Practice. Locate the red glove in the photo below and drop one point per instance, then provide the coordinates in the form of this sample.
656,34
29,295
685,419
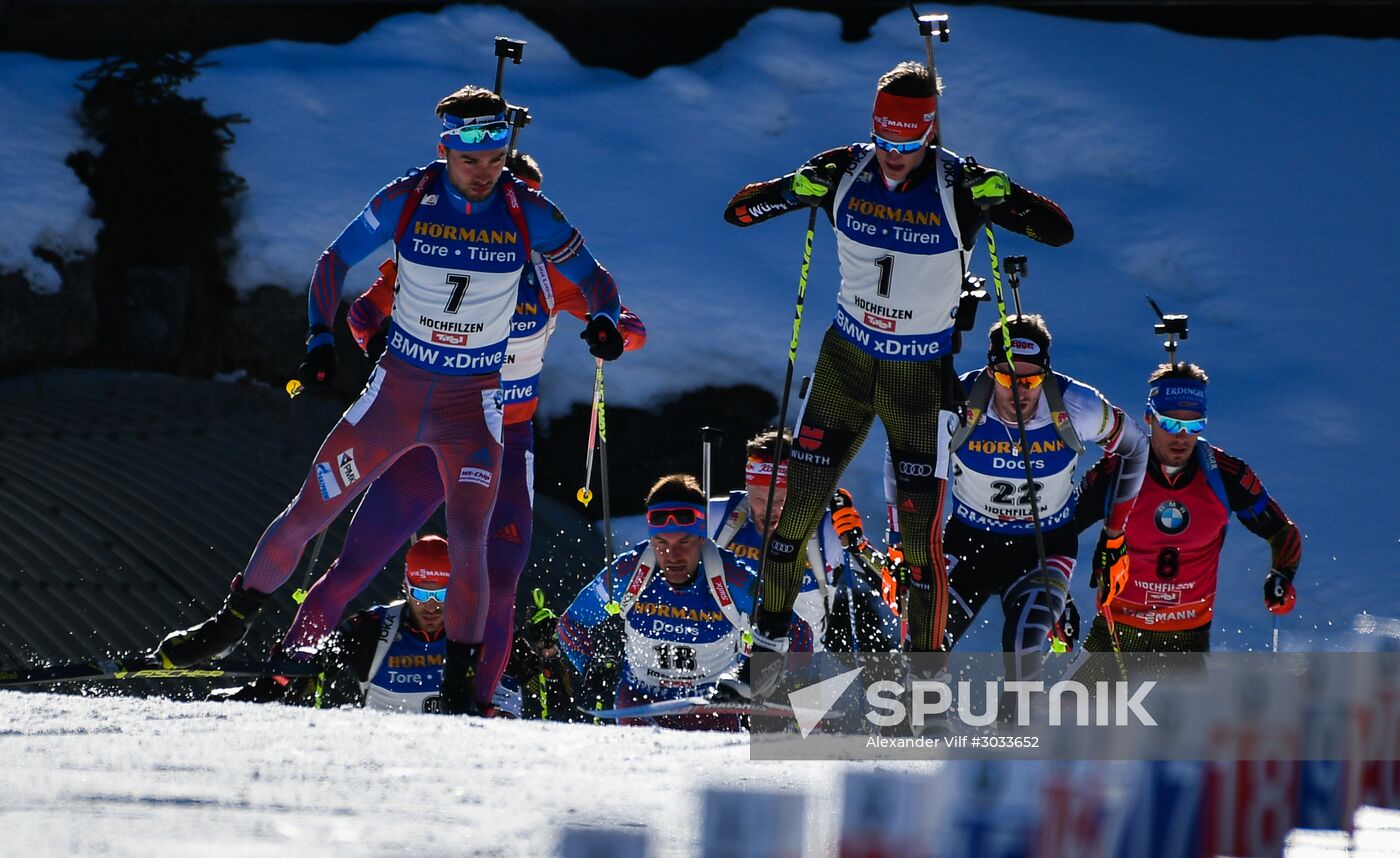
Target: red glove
368,311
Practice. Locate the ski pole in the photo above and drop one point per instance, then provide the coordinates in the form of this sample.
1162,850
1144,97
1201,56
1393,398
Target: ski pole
1016,268
709,437
299,595
585,494
603,467
779,452
1275,633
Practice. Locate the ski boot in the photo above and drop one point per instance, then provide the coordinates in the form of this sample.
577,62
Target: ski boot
459,679
745,683
215,637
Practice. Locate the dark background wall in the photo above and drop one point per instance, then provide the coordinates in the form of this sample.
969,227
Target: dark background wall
635,36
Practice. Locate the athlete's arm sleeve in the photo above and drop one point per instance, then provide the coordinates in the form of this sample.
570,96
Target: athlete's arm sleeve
1098,420
1095,493
567,298
1260,513
371,228
589,609
761,201
368,312
1032,215
562,246
349,650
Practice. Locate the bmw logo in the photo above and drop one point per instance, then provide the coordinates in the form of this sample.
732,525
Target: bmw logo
1172,517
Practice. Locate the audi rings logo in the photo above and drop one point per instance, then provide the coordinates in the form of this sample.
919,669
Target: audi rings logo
915,469
782,546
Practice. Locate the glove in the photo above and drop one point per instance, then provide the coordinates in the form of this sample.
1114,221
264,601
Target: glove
989,187
1110,566
602,337
599,687
319,366
1279,595
634,333
849,527
810,186
608,637
374,349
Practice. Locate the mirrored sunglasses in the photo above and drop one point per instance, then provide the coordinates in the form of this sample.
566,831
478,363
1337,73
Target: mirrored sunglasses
1173,426
902,148
680,516
1029,382
495,132
421,595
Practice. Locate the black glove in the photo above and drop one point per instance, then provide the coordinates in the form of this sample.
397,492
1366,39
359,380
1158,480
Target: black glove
319,366
374,349
1279,595
604,340
599,688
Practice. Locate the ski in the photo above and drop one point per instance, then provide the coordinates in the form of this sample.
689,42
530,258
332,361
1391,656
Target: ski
694,706
145,667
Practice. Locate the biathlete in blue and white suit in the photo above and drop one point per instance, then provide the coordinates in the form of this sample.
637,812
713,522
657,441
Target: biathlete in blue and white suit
390,656
462,237
989,538
845,612
670,613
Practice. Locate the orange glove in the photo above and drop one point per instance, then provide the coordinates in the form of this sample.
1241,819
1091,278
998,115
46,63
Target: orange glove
1110,565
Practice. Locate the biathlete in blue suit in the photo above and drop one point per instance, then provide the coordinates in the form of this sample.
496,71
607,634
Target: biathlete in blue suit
408,494
462,237
669,614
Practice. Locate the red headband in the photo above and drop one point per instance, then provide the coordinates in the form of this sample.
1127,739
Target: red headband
760,472
900,117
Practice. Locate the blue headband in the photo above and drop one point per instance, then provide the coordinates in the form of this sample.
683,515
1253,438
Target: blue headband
676,517
1177,394
475,133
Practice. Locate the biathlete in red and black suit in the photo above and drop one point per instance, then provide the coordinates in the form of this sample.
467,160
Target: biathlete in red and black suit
462,236
1178,528
407,495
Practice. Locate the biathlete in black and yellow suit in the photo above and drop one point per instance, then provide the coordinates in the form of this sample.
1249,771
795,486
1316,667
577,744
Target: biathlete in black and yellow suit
905,213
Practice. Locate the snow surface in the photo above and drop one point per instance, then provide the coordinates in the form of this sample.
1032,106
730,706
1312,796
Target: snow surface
1242,182
122,776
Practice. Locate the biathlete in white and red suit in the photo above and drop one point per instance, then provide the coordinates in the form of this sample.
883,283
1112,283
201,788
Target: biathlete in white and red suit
408,494
462,234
